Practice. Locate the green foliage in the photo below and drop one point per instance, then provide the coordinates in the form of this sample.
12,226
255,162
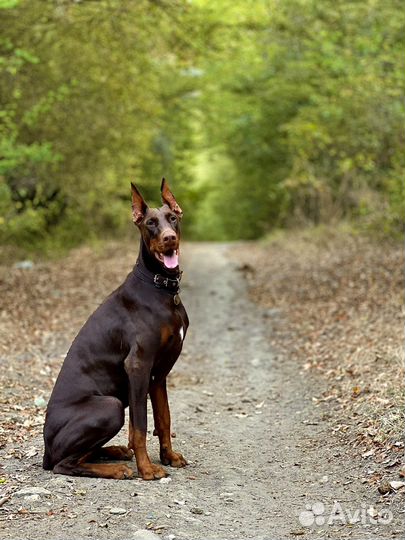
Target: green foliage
260,113
92,96
8,4
309,108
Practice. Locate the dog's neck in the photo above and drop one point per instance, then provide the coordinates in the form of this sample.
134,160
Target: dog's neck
146,261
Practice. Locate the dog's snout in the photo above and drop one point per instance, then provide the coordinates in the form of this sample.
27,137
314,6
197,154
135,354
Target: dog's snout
169,237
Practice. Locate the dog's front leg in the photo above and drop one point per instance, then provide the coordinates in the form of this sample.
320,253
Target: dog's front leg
138,372
161,414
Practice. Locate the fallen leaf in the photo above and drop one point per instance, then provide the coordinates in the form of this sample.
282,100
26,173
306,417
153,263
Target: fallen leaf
397,484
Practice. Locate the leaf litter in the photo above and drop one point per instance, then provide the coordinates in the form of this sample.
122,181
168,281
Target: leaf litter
334,301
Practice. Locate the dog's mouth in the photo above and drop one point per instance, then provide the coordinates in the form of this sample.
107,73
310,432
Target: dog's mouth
170,259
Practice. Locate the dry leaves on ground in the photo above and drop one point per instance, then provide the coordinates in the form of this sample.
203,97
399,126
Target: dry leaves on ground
340,298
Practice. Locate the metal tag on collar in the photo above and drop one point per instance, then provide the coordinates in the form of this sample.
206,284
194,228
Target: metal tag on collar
176,299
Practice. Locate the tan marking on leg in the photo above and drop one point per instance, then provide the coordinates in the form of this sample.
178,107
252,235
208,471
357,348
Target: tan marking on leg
80,467
108,470
146,469
161,414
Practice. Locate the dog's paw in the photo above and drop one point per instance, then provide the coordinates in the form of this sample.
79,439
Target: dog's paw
127,454
123,472
120,453
174,459
152,472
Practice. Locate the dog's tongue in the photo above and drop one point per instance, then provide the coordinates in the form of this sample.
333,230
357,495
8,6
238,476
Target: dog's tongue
171,261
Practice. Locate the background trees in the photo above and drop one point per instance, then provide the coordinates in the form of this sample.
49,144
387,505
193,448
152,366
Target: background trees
261,113
311,114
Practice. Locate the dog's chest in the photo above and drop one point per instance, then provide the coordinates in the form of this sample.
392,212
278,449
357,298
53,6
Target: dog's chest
172,333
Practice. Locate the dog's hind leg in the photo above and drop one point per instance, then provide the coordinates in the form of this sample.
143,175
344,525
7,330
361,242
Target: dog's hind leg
75,466
77,433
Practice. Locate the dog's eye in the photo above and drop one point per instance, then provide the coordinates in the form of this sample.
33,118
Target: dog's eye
173,218
151,222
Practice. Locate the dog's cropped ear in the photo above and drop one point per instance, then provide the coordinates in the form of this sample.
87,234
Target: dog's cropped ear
168,198
139,206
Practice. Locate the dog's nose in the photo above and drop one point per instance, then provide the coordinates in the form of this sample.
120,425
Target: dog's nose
168,237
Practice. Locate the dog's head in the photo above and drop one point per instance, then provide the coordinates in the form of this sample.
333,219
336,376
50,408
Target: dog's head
159,227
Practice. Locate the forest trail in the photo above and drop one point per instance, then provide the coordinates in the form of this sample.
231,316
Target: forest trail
260,451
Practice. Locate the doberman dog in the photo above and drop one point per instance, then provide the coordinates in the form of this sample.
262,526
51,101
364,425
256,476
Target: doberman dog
124,351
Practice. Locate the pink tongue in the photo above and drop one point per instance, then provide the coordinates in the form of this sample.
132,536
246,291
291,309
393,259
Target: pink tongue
171,261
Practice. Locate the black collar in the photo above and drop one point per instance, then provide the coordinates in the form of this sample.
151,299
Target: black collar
171,285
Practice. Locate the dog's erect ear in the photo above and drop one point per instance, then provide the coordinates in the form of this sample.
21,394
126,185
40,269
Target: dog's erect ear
139,206
168,198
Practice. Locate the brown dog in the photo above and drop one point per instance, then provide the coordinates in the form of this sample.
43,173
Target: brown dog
123,352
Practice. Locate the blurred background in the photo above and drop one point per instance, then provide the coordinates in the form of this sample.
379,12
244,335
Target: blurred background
262,114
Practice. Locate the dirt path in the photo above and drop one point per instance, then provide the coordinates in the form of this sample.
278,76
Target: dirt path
260,452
